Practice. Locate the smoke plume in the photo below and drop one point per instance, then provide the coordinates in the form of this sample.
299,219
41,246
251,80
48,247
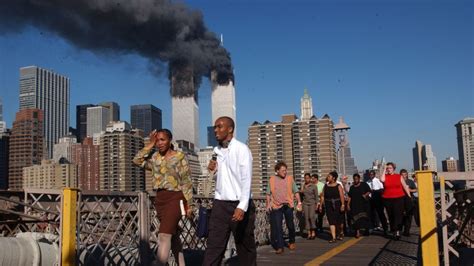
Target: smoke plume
160,30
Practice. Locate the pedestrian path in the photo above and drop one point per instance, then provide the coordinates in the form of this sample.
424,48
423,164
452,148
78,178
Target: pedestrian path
368,250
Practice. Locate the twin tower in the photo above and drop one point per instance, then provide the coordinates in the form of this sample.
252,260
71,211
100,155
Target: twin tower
185,110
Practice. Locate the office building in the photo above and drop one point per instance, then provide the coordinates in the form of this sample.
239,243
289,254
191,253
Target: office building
211,137
146,117
50,175
4,151
450,165
465,140
46,90
345,162
26,145
205,185
222,99
417,156
3,124
118,147
306,106
63,149
114,110
429,160
81,121
98,117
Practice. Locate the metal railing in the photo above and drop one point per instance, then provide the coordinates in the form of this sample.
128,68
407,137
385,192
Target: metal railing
456,217
113,228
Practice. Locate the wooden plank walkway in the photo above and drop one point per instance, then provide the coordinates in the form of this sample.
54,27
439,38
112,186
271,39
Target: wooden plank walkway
368,250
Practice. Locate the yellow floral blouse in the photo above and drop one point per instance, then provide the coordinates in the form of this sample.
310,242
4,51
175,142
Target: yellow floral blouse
171,173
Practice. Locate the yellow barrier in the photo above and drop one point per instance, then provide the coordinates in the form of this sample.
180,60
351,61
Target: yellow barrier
68,228
428,230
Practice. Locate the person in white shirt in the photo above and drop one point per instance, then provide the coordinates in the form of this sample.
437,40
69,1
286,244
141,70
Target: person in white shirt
376,202
232,209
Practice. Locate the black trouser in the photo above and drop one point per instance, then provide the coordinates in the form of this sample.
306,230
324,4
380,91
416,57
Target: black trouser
377,209
416,211
220,227
395,208
408,217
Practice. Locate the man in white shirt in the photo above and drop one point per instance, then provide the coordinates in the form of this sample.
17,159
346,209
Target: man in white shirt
232,209
376,202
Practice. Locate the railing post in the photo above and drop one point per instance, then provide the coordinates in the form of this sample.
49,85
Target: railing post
442,186
144,224
69,226
428,228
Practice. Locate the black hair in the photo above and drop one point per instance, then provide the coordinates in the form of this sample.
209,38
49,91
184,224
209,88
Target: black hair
315,176
403,171
307,174
334,174
168,133
372,172
356,175
279,165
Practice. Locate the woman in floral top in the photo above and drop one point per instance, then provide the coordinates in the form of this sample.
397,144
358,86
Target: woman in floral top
172,182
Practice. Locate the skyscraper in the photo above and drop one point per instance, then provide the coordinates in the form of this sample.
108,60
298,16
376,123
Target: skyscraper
423,157
81,121
50,92
222,99
98,117
417,156
269,143
118,147
4,151
345,162
86,156
146,117
465,139
26,145
429,160
3,125
114,110
306,106
211,137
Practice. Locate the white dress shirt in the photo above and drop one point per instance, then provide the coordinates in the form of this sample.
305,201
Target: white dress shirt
234,173
375,184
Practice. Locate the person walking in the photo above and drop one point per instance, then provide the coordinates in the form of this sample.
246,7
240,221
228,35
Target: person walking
377,213
310,203
393,196
281,193
320,211
332,199
173,186
358,205
232,210
347,215
409,204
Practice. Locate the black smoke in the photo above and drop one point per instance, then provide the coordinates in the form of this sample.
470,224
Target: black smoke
161,31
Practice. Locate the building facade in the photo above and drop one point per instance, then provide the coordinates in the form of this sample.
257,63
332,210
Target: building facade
450,165
3,125
223,100
50,175
429,160
114,110
98,117
269,143
306,106
205,185
63,149
46,90
345,162
146,117
118,147
465,140
86,156
185,119
81,121
26,145
417,156
4,151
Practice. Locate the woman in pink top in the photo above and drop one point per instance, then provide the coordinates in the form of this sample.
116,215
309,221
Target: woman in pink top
395,190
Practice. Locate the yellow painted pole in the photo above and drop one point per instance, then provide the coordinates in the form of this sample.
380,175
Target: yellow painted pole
427,208
68,229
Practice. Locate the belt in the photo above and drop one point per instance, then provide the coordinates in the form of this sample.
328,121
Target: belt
333,201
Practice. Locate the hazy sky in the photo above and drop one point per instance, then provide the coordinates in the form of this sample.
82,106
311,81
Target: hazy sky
397,71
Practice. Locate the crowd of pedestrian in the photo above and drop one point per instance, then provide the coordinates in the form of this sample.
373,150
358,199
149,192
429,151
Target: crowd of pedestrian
358,208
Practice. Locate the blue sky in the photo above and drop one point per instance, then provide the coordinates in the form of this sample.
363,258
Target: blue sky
397,71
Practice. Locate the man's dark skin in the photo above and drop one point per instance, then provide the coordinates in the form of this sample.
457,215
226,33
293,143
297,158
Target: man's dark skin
224,133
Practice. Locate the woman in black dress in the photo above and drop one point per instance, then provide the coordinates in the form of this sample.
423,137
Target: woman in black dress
358,204
332,199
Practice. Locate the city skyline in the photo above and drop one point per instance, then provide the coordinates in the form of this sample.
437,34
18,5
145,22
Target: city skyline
417,72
